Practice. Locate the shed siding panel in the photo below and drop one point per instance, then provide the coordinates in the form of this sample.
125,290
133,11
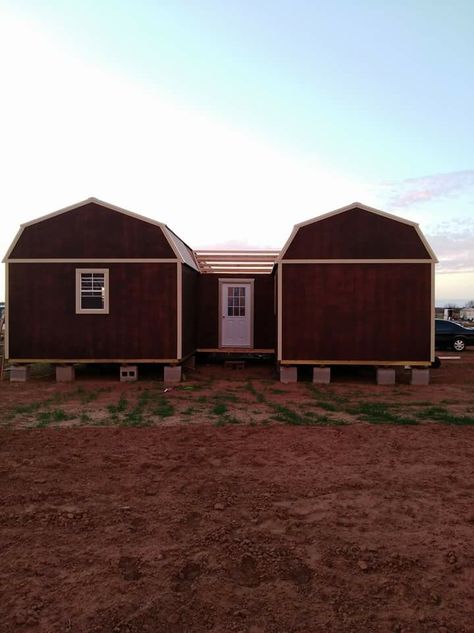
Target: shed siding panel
92,231
190,300
357,234
264,316
141,322
356,312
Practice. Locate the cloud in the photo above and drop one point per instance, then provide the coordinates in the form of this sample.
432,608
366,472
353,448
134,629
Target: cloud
412,191
453,243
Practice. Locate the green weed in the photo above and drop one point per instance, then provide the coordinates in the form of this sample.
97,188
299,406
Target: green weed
120,407
85,396
379,413
219,408
225,419
45,418
442,415
289,416
226,397
164,408
258,396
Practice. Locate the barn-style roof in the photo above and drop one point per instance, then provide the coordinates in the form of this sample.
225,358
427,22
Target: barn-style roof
180,249
359,232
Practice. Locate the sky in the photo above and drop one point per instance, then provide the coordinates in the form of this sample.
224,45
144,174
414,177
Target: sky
233,120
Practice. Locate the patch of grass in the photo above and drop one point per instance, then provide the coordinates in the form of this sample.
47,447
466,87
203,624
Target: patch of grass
202,399
259,397
379,413
85,395
219,408
444,416
134,417
23,409
225,419
277,391
45,418
289,416
84,418
327,406
226,397
163,408
189,387
120,407
327,401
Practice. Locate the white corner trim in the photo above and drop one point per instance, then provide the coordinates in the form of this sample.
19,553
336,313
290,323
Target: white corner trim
7,312
179,310
13,244
431,253
433,312
280,311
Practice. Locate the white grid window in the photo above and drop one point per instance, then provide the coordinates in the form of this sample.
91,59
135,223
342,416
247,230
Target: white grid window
235,301
92,291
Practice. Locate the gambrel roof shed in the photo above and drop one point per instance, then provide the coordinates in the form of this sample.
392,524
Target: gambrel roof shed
357,231
93,229
356,286
107,285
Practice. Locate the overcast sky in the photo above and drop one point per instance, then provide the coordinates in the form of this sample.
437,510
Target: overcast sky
233,120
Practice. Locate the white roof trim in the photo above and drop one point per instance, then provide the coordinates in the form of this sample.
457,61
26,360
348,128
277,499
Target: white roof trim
364,207
166,231
185,255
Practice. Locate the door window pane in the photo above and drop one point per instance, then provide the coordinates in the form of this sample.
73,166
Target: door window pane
236,301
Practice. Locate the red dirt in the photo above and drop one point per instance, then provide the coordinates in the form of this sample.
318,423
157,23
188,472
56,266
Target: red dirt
189,528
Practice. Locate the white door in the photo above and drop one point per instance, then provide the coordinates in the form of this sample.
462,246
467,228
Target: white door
236,314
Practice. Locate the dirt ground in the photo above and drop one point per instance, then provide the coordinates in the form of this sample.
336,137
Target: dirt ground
235,504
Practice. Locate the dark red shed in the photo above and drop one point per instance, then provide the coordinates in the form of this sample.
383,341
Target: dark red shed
356,286
96,283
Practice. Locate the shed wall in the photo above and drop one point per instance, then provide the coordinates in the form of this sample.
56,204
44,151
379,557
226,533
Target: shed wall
356,312
141,324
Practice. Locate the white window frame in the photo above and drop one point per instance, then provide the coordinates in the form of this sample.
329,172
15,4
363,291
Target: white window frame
79,308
